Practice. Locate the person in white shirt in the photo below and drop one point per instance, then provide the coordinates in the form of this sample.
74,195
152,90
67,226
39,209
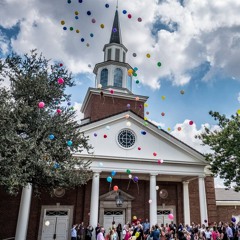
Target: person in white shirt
208,234
100,235
74,232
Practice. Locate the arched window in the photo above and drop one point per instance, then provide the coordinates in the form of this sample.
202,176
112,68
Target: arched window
104,77
118,75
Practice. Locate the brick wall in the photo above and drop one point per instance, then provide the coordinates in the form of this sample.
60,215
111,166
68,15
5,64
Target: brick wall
103,106
211,199
225,213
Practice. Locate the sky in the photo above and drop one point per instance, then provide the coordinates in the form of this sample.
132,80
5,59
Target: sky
197,43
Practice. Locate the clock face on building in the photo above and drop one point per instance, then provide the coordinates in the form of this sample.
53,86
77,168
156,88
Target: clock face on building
126,138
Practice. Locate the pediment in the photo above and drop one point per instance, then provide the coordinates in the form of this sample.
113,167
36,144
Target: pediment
110,196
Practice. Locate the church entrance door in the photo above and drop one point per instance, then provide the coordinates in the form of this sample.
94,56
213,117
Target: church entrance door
118,216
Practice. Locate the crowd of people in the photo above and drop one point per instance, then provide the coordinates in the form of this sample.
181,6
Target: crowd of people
143,231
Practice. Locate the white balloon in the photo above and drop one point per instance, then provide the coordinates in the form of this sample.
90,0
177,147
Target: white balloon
130,176
107,127
157,187
128,124
150,201
47,223
100,164
99,85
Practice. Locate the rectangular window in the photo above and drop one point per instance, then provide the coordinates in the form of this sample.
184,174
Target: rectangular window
117,55
109,54
124,57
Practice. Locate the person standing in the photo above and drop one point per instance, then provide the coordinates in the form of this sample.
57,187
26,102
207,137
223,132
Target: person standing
138,231
89,230
100,234
74,232
119,231
146,227
97,229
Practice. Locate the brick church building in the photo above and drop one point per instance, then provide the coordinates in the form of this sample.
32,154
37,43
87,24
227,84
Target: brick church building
138,169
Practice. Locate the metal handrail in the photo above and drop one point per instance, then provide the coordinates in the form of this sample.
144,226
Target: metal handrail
9,238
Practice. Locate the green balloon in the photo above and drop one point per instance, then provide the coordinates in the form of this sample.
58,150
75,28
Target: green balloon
128,171
137,81
134,74
159,64
71,28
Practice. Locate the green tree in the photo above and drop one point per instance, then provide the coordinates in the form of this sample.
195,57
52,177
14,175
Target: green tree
37,145
224,142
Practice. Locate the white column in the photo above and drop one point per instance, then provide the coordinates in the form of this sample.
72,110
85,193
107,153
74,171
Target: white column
202,200
94,201
153,197
186,205
23,214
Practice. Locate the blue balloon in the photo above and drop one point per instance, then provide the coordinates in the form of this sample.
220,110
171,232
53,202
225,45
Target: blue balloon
109,179
64,28
135,69
124,11
56,165
69,143
51,136
107,5
82,39
76,17
113,173
91,35
143,132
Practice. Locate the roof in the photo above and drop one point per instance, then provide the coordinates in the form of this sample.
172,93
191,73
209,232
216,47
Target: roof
150,123
226,195
116,32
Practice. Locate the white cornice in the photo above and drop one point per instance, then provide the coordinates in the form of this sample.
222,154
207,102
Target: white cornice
228,203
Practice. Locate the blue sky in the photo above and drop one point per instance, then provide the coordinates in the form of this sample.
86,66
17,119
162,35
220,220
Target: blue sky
197,43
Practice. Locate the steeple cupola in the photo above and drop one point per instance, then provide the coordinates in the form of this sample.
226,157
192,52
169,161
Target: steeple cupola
113,72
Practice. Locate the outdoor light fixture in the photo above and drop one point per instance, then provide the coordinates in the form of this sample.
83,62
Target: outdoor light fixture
119,199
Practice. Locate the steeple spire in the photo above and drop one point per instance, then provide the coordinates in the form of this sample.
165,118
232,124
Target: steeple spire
116,32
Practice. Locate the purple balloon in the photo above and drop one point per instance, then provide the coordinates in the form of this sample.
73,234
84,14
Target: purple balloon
233,219
135,179
128,105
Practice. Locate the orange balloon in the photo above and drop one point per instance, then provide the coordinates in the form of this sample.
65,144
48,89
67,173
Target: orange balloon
115,188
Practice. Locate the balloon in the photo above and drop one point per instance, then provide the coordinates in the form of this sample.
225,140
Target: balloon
105,135
145,105
95,134
65,28
59,111
190,122
89,13
179,128
51,137
148,55
107,5
127,116
71,28
135,179
99,85
113,173
160,161
139,148
137,98
145,118
129,16
80,1
135,69
137,234
82,39
130,176
134,54
100,164
114,30
128,124
182,92
157,187
69,103
109,179
169,129
150,201
154,154
124,11
47,223
130,71
60,81
111,91
163,97
205,220
93,20
107,127
69,143
76,12
56,165
91,35
62,22
76,17
69,1
233,219
60,64
102,26
140,106
143,132
77,31
170,216
134,218
87,44
128,105
41,104
159,127
145,123
163,114
115,188
147,113
89,65
128,171
159,64
139,19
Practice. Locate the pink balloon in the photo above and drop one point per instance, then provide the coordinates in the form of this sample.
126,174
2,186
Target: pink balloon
60,81
41,104
170,216
59,111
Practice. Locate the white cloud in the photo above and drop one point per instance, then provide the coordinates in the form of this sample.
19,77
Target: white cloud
205,31
79,114
158,124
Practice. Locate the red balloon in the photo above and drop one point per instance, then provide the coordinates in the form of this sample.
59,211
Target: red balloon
190,122
154,154
139,148
129,16
163,114
105,135
115,188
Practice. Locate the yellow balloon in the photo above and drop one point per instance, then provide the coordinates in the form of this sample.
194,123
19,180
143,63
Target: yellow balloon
77,31
62,22
145,105
130,71
163,97
76,13
148,55
145,118
137,234
238,111
102,25
169,129
134,218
